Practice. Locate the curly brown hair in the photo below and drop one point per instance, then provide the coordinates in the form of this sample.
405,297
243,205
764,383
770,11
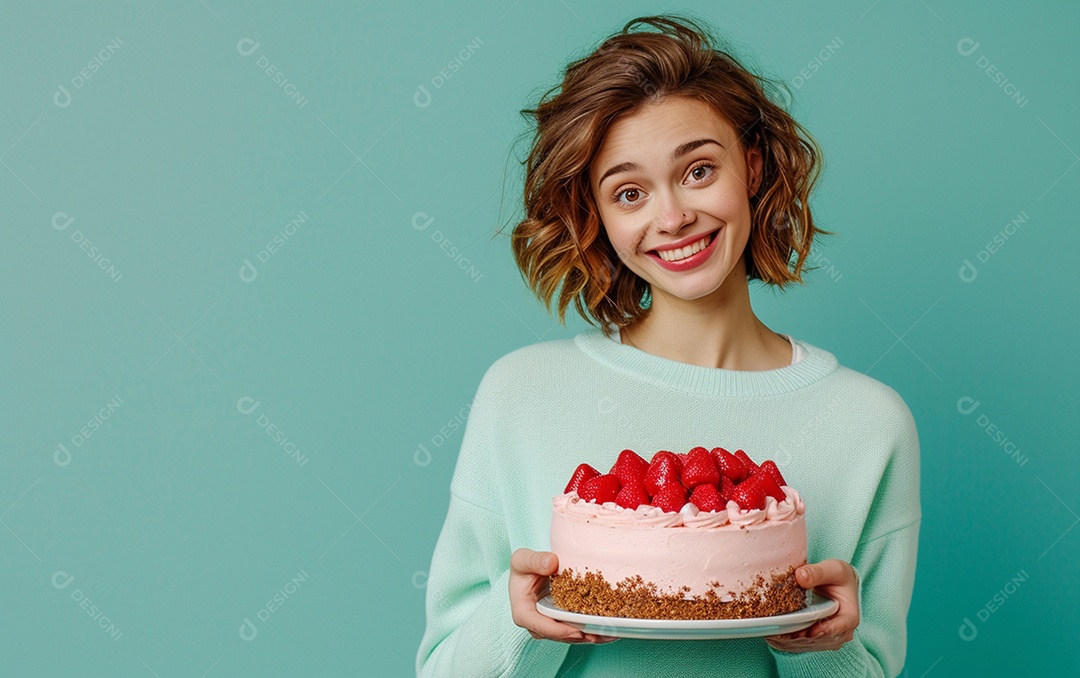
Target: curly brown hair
561,240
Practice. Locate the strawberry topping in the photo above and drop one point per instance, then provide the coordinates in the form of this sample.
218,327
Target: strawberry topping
769,466
699,469
664,470
582,473
748,494
602,489
727,486
730,465
751,467
629,465
707,478
671,497
769,487
707,498
632,494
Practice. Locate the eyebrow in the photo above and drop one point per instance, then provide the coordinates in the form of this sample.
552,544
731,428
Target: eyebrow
680,151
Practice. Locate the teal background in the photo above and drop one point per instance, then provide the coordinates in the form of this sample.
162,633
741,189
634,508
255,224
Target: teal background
361,339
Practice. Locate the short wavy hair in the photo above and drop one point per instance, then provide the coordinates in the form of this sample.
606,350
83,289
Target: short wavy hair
561,241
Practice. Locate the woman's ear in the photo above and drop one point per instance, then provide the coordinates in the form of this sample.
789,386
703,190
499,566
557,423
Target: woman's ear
753,164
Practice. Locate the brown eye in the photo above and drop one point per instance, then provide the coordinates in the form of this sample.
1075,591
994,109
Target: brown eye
708,167
629,191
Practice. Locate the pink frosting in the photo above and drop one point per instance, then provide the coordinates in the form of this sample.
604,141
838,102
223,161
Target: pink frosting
610,513
724,551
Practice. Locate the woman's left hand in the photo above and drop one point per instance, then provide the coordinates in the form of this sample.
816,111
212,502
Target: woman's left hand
833,579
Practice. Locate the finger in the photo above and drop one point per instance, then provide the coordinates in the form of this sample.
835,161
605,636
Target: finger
808,576
846,616
787,636
827,634
800,645
534,562
519,559
820,631
801,633
823,627
599,640
547,627
837,626
814,630
828,572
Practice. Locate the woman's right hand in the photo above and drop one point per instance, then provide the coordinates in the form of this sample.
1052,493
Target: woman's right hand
529,573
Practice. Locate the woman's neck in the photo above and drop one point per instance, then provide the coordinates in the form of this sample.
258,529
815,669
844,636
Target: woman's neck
719,331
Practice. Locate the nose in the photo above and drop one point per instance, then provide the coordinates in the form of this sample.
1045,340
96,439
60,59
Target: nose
672,215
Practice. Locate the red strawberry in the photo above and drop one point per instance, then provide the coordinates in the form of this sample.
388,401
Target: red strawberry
745,459
748,494
769,467
769,486
632,494
582,473
682,457
727,485
730,465
629,465
664,470
601,488
671,497
707,498
699,469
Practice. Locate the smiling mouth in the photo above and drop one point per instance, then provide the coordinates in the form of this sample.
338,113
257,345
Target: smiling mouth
685,252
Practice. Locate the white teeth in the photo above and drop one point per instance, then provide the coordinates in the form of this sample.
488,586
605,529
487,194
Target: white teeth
684,252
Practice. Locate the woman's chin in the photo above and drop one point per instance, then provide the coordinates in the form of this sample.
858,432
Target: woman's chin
700,287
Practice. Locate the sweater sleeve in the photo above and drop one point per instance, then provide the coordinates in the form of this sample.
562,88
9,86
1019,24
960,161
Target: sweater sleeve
886,568
884,559
470,630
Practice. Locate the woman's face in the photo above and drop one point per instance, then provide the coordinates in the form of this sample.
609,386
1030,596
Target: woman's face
681,223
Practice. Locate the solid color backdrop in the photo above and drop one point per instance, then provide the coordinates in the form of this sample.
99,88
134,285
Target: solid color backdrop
251,285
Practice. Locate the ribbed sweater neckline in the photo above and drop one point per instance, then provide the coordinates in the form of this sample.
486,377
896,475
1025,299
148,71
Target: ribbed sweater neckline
817,364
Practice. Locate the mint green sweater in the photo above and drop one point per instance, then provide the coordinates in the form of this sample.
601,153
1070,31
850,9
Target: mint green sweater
845,441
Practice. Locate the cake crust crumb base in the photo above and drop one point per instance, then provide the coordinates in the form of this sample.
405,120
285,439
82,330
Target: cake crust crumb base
635,598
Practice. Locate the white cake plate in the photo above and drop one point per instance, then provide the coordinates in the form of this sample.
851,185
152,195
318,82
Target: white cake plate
818,607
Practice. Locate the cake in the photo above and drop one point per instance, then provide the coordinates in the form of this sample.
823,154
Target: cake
706,534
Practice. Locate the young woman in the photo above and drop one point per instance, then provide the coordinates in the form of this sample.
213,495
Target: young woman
662,179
